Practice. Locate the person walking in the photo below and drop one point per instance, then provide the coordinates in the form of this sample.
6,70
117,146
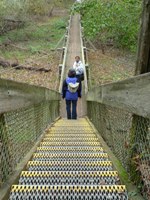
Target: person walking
78,67
71,91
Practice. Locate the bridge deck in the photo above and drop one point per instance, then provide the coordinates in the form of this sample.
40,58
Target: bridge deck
74,49
70,163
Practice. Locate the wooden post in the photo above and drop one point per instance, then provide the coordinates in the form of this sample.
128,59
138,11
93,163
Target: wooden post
143,55
139,130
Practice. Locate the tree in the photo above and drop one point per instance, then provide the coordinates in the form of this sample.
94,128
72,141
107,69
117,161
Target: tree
140,125
143,58
111,20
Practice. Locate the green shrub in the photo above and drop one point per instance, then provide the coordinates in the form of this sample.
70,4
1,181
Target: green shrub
111,20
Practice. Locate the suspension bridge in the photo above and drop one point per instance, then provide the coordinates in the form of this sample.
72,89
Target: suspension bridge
62,159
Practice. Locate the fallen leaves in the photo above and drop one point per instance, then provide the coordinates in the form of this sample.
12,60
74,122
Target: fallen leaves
113,66
37,77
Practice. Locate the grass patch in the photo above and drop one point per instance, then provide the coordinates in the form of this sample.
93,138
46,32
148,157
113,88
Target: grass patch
34,38
31,46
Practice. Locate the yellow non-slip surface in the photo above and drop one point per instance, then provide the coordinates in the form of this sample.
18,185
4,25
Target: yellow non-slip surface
70,163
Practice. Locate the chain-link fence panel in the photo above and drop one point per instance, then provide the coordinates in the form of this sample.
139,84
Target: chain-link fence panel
128,136
19,130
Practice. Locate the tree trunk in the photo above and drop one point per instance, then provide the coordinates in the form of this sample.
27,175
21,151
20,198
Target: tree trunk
140,125
15,65
143,55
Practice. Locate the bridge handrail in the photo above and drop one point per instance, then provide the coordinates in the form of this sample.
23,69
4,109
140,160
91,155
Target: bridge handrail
15,95
25,112
83,61
65,57
131,94
121,113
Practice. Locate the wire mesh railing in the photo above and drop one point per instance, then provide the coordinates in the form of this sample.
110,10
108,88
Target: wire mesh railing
128,136
84,59
19,130
64,55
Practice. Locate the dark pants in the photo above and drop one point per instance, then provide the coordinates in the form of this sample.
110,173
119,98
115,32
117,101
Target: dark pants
71,113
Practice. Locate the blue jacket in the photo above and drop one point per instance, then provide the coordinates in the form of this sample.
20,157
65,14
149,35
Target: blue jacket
66,93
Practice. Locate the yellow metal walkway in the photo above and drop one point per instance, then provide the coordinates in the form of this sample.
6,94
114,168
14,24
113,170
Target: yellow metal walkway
69,164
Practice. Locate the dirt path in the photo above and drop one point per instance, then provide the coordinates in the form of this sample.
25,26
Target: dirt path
73,50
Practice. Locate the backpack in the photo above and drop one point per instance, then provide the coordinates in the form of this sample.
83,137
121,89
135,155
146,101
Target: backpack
73,87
